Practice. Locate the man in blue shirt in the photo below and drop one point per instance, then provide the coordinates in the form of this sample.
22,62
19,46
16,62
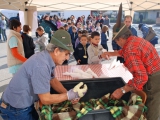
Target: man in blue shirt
33,80
146,32
127,22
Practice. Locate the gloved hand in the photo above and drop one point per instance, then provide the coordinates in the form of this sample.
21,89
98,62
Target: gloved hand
77,91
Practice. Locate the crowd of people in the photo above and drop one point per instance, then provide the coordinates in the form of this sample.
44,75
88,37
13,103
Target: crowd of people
101,24
80,29
90,24
89,37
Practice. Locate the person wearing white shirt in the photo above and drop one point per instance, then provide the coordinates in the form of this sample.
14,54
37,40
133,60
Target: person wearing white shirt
43,38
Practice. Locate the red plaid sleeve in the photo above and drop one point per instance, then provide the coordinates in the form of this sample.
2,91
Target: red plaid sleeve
136,67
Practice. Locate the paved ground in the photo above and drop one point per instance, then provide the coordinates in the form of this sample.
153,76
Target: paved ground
5,76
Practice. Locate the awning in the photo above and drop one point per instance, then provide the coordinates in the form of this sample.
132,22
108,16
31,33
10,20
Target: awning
61,5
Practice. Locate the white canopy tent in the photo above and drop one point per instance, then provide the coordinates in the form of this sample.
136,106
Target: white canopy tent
29,7
59,5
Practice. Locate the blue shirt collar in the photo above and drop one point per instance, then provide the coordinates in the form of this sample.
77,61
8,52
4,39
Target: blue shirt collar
50,61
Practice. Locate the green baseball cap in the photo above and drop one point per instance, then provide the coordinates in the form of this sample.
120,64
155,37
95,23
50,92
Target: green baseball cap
118,31
62,39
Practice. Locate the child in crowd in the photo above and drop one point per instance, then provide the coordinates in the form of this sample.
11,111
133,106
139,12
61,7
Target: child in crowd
43,38
98,28
89,26
85,32
79,26
94,20
69,25
66,27
78,39
89,39
84,27
62,23
94,50
74,36
93,28
68,20
59,23
28,43
104,37
80,33
70,28
80,53
65,21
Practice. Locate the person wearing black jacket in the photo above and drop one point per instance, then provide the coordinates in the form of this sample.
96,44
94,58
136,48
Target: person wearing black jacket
80,53
100,20
28,43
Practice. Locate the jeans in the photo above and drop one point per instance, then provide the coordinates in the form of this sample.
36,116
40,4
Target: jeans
4,35
11,113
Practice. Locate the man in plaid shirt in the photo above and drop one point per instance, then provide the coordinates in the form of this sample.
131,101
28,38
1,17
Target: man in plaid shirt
143,61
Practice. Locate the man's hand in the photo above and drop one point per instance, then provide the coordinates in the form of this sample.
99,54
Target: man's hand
81,88
75,101
103,55
117,94
109,54
77,91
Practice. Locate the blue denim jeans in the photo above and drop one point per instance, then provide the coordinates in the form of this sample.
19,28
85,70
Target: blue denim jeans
4,35
11,113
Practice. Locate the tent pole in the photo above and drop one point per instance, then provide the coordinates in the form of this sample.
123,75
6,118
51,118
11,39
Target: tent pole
29,17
